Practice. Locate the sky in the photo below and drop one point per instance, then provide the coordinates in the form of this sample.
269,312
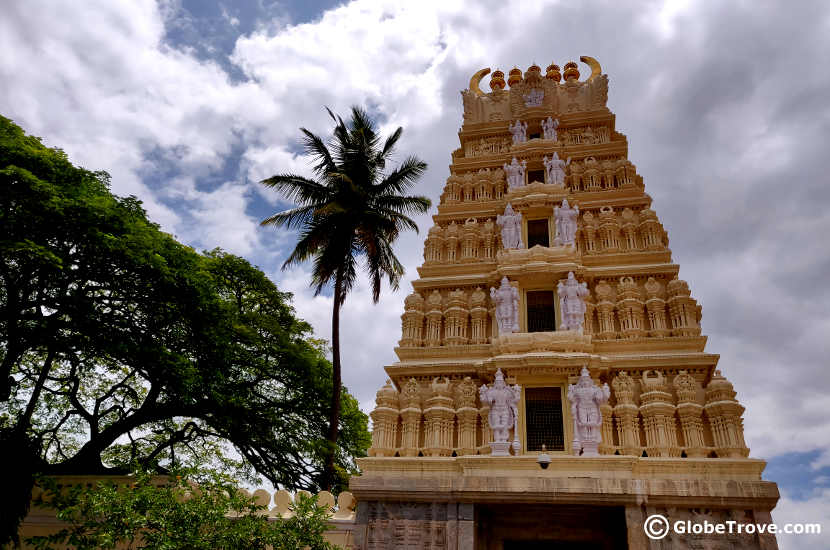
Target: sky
188,104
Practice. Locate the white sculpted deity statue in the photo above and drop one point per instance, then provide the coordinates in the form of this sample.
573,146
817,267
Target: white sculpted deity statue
586,399
549,127
565,217
511,228
503,401
555,168
519,131
506,298
572,303
515,173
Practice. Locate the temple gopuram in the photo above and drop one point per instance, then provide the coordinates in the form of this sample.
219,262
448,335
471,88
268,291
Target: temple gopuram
553,388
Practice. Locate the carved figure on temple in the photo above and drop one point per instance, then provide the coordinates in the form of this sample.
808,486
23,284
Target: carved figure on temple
555,168
519,131
511,228
549,127
503,401
515,173
565,218
506,299
572,303
586,399
534,97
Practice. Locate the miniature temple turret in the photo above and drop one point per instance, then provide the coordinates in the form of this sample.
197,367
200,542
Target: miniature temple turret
553,382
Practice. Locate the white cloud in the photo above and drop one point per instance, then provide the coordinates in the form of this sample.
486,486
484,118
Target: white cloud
726,128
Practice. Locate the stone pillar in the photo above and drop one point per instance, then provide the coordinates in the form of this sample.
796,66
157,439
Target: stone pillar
685,313
625,411
412,322
634,520
467,415
724,414
690,413
451,240
606,447
630,308
589,230
657,410
489,238
656,306
609,230
456,314
385,421
410,406
433,245
434,315
439,420
651,232
469,241
605,311
486,436
629,229
478,317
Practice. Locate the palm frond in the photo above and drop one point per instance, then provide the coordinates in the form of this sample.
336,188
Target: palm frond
298,189
403,177
293,218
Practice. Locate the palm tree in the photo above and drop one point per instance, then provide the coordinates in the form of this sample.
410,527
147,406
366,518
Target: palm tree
353,209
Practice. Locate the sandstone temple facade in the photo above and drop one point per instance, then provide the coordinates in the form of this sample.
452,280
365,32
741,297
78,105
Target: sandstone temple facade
553,388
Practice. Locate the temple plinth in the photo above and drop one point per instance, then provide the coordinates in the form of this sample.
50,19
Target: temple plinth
549,320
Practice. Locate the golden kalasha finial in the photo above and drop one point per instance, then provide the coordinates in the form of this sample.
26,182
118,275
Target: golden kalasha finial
515,77
533,69
552,72
571,71
497,80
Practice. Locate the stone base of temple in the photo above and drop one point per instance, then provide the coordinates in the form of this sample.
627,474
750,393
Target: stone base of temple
495,503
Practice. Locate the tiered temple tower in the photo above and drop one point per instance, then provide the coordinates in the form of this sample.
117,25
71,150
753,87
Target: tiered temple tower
548,278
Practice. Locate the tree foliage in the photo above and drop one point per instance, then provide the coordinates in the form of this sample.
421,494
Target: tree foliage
176,515
120,345
355,208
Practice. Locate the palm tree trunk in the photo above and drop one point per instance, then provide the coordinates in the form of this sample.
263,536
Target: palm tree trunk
334,413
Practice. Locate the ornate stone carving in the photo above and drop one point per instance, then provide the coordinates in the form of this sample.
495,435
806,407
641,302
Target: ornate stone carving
724,414
657,410
534,97
586,399
478,316
626,413
410,400
439,419
572,303
690,413
555,169
515,173
467,415
565,217
506,299
511,228
549,127
503,401
518,131
385,421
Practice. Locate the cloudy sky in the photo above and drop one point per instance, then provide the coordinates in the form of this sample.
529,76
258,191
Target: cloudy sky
188,103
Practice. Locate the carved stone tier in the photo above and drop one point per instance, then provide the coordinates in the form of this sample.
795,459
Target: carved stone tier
597,480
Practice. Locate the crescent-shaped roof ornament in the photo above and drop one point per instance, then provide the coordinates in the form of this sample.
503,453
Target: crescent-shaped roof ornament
596,70
476,79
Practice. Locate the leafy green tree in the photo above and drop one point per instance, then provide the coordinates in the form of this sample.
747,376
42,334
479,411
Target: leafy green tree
120,345
355,208
175,515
